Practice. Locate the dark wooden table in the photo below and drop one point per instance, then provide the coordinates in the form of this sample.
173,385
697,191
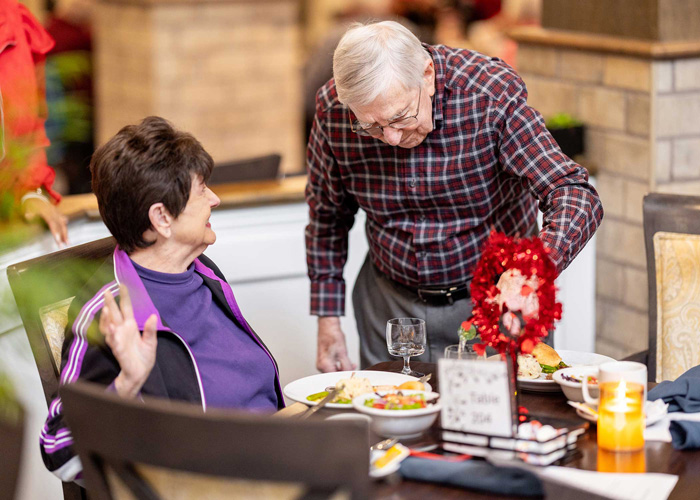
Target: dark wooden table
659,457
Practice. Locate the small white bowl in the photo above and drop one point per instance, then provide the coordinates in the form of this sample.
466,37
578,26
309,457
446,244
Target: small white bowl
399,423
573,390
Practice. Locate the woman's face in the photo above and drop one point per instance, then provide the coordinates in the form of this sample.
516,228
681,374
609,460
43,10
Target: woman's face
192,228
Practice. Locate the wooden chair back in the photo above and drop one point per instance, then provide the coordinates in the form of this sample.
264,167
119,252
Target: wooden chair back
250,169
43,289
157,448
672,240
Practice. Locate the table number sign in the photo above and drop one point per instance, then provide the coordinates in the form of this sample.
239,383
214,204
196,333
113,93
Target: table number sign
476,397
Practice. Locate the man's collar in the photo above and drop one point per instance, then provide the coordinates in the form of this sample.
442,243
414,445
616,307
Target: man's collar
440,72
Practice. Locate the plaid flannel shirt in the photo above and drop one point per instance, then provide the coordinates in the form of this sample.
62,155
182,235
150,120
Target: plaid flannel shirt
487,164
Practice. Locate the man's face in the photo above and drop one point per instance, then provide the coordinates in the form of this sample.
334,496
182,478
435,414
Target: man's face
397,103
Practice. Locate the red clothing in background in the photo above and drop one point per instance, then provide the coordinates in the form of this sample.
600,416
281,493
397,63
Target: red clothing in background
23,46
485,9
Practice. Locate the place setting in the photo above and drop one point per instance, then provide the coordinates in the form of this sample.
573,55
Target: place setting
400,407
499,421
537,370
586,386
477,411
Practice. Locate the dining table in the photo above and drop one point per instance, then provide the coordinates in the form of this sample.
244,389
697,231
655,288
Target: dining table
659,457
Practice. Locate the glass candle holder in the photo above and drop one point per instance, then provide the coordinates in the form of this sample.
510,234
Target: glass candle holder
621,416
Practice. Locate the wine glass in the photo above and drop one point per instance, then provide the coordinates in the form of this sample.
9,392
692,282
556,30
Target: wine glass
405,337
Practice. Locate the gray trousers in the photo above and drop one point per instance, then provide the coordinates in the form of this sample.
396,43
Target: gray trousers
376,299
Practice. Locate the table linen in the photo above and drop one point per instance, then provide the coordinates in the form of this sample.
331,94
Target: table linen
683,398
473,475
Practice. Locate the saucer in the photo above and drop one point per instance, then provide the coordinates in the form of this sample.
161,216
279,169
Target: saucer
389,468
655,410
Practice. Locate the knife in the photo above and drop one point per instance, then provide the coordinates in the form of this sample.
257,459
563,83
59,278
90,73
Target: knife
321,403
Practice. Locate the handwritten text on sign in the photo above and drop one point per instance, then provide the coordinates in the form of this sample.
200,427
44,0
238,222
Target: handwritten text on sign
475,396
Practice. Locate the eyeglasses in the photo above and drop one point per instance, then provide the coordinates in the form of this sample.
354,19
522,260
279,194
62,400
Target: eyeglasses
378,130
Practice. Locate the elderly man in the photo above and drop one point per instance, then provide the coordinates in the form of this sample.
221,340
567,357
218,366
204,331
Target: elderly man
439,147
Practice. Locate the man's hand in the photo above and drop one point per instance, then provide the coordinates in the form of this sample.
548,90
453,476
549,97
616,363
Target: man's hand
331,354
37,207
135,353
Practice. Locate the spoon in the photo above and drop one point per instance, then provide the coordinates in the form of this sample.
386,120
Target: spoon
384,445
584,408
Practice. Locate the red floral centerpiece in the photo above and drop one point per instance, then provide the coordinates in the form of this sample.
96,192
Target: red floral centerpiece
514,295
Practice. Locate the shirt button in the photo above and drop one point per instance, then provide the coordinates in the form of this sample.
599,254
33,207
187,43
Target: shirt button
412,183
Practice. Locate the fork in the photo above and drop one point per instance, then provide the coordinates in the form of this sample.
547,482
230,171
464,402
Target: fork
321,404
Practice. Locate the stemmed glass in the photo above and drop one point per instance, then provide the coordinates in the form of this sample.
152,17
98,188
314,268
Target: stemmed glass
405,337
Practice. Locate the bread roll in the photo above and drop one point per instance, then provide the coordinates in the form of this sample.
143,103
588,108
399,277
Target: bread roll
545,355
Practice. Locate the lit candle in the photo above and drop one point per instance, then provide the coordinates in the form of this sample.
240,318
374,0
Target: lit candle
621,416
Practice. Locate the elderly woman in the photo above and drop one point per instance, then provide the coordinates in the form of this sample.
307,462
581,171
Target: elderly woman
177,331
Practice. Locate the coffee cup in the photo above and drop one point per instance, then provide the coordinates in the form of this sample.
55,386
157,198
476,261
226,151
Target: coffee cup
614,371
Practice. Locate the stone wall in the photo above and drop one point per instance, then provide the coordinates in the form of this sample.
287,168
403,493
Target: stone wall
227,71
677,123
643,135
660,20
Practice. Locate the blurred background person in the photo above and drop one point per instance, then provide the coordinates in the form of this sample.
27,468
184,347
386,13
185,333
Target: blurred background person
69,94
26,179
485,25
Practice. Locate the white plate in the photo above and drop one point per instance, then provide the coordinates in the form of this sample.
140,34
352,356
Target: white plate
571,358
298,390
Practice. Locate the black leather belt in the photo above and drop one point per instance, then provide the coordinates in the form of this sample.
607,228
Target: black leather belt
440,296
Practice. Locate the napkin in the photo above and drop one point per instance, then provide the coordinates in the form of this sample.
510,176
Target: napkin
685,434
682,395
474,475
587,484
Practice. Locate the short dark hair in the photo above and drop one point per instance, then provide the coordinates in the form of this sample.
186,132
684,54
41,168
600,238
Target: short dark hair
143,164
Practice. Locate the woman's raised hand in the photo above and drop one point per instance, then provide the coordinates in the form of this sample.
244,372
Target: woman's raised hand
136,353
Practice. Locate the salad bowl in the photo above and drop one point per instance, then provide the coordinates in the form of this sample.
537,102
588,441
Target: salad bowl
570,380
403,419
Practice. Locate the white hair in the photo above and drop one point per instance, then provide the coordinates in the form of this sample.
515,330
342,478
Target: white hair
370,58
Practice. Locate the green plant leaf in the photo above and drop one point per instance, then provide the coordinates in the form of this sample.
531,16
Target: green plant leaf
562,120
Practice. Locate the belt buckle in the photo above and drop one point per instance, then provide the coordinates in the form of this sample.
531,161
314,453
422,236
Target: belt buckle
438,293
450,299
